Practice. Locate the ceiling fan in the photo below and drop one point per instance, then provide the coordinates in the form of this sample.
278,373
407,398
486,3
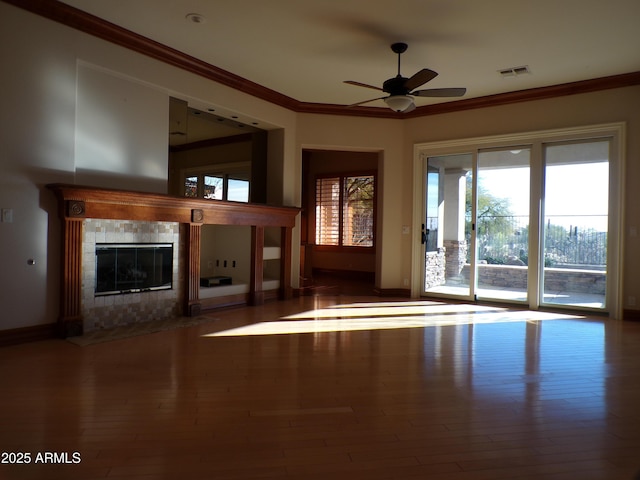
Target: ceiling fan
401,90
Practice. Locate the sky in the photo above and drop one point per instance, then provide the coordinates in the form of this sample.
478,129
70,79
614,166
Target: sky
570,191
576,177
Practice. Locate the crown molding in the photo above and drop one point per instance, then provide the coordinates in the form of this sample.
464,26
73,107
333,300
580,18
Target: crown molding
87,23
540,93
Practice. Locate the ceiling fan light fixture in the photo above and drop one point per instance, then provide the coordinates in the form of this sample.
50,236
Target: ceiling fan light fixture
399,103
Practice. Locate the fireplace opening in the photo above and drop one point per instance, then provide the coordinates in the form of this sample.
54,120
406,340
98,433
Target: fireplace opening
133,267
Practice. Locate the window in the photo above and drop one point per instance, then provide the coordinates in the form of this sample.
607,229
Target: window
213,187
345,208
191,187
217,187
238,190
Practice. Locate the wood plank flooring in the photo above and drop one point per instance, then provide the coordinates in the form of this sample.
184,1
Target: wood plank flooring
366,389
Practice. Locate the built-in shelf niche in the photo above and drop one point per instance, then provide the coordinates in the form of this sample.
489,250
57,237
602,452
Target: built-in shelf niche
225,251
272,256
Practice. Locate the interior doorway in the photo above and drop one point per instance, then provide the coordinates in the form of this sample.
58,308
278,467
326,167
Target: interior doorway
339,221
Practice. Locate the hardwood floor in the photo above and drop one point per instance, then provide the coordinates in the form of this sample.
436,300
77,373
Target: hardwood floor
365,389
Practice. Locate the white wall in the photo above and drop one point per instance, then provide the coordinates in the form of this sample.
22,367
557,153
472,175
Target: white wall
36,147
77,109
121,132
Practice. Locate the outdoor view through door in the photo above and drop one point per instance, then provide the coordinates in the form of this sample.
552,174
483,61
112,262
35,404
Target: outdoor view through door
481,236
502,224
447,230
576,223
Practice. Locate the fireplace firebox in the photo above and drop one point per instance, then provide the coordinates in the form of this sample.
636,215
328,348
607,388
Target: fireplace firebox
130,268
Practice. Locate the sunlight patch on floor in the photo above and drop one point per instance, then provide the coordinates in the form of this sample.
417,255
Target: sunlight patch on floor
383,309
386,316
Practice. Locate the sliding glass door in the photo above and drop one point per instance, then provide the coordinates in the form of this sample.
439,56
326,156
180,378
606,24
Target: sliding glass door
476,230
446,230
575,224
502,224
528,223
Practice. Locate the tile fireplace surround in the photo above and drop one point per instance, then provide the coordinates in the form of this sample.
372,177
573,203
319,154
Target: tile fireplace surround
116,310
92,215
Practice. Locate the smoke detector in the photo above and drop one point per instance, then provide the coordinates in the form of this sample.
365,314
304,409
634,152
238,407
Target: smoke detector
195,18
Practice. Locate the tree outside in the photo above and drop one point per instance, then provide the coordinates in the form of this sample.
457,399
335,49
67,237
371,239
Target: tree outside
503,238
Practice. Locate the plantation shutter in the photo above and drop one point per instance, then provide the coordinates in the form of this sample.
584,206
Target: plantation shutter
328,211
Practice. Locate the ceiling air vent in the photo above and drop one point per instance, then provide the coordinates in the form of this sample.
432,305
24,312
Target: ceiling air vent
515,71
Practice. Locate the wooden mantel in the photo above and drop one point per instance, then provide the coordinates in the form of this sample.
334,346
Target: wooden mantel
78,203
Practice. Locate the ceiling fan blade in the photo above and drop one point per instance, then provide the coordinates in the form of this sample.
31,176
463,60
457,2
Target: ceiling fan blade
358,84
440,92
420,78
366,101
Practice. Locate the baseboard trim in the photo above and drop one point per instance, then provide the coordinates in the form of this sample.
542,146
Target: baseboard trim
393,292
633,315
356,275
36,333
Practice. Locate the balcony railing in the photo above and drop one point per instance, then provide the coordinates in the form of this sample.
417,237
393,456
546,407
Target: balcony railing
575,256
578,241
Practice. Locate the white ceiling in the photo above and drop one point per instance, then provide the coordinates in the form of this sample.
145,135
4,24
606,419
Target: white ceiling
306,49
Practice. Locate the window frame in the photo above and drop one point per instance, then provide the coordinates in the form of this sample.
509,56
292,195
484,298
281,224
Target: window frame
340,247
223,171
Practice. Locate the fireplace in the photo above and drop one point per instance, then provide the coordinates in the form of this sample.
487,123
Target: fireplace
130,272
132,268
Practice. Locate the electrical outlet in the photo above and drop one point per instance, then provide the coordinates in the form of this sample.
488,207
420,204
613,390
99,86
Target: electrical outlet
631,301
7,215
